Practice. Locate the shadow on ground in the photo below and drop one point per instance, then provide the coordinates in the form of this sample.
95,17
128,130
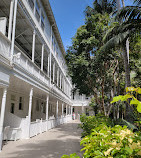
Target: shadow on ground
64,139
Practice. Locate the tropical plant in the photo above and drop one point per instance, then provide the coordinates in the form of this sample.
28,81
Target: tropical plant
117,142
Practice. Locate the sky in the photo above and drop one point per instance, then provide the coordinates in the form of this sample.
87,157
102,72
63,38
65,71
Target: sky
69,16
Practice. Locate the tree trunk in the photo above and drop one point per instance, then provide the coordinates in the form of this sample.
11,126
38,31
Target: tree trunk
103,80
127,68
129,111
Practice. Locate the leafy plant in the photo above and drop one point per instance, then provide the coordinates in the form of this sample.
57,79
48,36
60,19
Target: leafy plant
132,94
88,123
74,155
117,141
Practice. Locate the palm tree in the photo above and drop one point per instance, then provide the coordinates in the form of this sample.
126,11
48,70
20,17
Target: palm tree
128,24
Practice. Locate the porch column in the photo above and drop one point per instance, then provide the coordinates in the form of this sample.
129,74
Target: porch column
48,65
13,31
57,110
66,112
42,58
2,115
47,112
53,71
10,19
62,110
33,45
71,111
60,80
29,110
58,77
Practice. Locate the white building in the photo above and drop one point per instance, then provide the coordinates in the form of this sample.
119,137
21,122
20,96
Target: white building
35,94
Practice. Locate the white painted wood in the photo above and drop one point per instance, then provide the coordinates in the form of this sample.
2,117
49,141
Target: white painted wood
57,110
30,108
58,77
60,80
13,31
48,65
47,100
10,19
42,58
2,115
53,71
33,45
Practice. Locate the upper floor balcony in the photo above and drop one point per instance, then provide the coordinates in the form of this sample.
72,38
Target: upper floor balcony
31,53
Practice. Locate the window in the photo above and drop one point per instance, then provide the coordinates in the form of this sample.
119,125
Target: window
12,108
31,3
44,108
37,12
13,98
42,21
21,103
37,105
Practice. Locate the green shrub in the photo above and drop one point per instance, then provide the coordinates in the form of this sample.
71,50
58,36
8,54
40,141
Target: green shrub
74,155
88,123
118,142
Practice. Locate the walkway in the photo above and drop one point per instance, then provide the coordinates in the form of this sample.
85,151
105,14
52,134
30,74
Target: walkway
63,139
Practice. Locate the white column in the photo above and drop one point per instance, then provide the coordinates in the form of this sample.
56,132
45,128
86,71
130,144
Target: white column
47,112
10,19
60,80
2,115
50,67
71,110
62,113
66,110
53,71
33,45
48,64
42,58
64,85
29,110
57,110
62,109
58,77
13,31
50,52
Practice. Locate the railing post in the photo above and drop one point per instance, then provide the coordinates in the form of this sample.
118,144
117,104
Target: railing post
33,45
2,115
29,110
10,19
62,112
13,31
47,99
42,59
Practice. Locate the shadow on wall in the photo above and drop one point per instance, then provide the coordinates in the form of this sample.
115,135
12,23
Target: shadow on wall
67,142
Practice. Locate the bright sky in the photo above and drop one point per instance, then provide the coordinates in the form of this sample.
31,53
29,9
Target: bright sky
69,15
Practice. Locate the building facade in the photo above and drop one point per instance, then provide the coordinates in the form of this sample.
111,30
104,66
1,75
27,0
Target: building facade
35,92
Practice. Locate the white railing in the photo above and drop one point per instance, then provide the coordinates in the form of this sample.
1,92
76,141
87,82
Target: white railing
26,63
34,128
4,46
43,126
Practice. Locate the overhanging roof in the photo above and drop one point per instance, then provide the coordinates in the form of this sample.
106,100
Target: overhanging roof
52,21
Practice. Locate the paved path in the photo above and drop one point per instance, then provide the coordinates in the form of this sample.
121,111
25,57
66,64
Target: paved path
63,139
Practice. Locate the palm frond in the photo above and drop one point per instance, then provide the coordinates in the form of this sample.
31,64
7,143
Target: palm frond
129,12
137,2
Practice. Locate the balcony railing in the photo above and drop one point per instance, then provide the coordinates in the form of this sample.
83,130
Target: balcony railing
26,63
4,46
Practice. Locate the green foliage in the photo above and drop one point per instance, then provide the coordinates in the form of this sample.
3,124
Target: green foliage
103,139
132,94
74,155
88,123
117,141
